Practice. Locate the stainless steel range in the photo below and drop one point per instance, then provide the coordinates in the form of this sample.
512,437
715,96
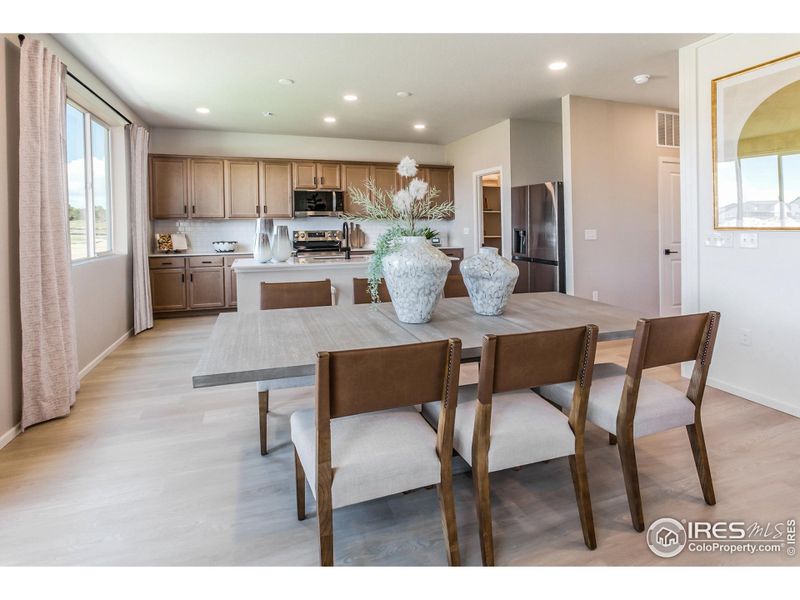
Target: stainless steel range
321,244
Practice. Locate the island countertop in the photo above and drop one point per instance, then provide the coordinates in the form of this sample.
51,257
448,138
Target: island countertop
304,263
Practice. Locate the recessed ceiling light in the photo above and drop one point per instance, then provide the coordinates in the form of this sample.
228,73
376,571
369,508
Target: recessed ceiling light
330,119
404,94
285,81
350,97
202,110
559,65
266,113
419,125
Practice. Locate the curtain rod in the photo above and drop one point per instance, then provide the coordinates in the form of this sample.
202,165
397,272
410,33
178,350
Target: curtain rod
98,96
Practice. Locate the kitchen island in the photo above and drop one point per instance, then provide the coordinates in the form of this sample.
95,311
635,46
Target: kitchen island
250,274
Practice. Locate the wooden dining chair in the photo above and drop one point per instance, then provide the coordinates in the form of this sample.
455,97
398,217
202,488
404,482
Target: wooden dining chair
630,405
287,294
365,440
361,293
454,287
501,423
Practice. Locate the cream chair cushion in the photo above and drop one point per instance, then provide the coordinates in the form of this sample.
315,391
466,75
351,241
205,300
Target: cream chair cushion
372,454
525,428
658,408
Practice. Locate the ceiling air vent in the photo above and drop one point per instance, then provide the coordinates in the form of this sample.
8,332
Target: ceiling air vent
668,129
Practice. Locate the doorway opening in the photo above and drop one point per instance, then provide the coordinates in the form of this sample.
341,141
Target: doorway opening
491,233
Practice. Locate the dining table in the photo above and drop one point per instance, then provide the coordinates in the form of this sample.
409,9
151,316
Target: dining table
279,347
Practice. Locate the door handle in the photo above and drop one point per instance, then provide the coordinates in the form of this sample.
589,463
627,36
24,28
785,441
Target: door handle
667,252
191,277
183,278
258,209
322,181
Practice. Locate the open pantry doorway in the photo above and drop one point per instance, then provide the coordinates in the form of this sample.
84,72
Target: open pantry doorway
491,228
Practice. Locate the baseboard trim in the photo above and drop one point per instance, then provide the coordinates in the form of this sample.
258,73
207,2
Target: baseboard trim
781,405
9,435
87,369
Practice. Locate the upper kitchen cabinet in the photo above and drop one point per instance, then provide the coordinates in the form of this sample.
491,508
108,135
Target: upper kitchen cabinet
442,180
169,187
305,175
277,178
207,178
243,189
355,176
386,177
330,176
317,176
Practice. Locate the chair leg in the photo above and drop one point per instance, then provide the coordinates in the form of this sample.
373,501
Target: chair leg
263,409
448,508
698,442
325,521
480,477
577,466
300,487
627,456
612,439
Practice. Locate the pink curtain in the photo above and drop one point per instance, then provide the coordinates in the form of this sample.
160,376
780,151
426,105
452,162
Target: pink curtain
49,353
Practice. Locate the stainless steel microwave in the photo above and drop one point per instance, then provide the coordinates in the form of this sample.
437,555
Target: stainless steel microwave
318,204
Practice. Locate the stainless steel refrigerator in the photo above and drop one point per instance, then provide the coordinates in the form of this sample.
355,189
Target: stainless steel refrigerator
537,243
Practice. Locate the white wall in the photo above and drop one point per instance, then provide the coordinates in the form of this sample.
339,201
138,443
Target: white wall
756,289
611,185
485,149
536,154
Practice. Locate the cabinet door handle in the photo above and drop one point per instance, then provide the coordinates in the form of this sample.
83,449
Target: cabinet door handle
191,277
206,262
258,209
185,209
166,264
183,278
194,209
315,180
322,181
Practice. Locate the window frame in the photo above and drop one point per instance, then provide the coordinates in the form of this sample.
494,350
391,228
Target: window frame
91,241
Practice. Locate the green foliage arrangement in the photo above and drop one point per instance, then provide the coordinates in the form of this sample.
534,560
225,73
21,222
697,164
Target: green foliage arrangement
405,211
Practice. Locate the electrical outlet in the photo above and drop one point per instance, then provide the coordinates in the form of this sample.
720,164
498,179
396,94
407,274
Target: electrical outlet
595,295
590,234
745,337
748,240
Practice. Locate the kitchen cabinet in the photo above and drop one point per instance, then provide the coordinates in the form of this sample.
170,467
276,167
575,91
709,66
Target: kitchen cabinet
207,189
455,267
206,287
354,176
242,189
230,281
386,177
278,198
168,289
169,187
317,176
440,178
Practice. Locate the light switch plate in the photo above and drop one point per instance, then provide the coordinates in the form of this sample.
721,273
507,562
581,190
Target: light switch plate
748,240
720,239
466,230
590,234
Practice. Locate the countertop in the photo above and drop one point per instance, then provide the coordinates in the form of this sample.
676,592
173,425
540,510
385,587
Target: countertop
195,253
250,264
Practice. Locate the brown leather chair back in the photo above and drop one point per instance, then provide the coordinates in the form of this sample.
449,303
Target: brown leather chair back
361,293
671,340
526,360
454,287
357,381
296,294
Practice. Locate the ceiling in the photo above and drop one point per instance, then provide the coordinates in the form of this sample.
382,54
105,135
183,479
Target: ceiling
461,83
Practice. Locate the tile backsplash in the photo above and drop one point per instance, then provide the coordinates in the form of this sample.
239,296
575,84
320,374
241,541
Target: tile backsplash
201,232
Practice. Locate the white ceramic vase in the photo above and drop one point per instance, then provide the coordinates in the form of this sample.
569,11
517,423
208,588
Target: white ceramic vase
261,248
415,274
281,244
490,280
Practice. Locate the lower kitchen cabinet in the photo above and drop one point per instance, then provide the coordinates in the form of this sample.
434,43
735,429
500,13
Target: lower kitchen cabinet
193,284
168,289
207,287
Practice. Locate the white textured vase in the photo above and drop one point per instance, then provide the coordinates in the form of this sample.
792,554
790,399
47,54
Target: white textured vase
281,244
415,274
490,280
261,248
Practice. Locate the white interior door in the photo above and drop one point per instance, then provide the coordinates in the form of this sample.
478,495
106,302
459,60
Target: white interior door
669,236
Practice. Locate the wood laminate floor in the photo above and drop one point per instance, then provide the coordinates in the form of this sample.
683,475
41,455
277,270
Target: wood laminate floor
148,471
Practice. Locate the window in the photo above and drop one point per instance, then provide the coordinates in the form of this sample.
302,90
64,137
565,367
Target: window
89,184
